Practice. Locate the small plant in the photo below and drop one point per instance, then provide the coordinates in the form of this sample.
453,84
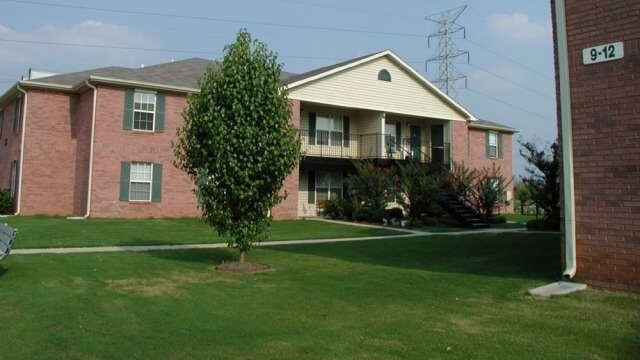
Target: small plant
6,202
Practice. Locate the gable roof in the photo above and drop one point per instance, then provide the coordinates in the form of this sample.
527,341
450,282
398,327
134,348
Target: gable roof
346,65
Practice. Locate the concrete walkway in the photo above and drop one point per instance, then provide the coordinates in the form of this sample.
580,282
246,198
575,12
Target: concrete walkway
143,248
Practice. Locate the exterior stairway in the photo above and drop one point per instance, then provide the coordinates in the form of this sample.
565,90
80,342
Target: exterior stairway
461,212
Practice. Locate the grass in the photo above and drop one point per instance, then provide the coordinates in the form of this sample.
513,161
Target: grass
414,298
39,231
519,218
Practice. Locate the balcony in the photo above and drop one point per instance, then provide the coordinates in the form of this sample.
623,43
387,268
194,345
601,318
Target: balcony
335,144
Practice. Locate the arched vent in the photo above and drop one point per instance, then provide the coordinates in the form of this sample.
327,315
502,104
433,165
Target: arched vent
384,75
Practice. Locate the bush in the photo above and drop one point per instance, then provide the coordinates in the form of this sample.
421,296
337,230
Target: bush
543,224
333,209
497,219
394,213
368,214
420,191
338,209
6,202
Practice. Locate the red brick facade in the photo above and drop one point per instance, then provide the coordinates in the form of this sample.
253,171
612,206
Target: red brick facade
469,148
605,104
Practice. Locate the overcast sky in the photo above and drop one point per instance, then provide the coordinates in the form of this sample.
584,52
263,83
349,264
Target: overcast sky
510,78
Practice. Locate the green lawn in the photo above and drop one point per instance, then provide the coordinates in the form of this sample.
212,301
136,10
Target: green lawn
414,298
39,231
519,218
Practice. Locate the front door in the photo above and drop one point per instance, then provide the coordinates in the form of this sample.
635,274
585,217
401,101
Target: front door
414,134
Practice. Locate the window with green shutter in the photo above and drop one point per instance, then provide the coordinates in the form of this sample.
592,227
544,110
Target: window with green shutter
144,111
492,144
156,186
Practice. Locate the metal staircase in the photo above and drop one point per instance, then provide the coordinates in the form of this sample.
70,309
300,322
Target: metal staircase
458,210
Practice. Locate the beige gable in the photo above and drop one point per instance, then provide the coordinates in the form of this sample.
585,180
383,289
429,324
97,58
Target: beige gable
359,87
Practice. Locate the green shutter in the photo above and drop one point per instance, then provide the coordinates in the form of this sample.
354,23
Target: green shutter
346,136
125,170
500,153
127,122
311,187
159,126
312,128
486,138
156,190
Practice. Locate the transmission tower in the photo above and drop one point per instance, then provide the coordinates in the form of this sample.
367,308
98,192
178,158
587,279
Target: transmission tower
448,52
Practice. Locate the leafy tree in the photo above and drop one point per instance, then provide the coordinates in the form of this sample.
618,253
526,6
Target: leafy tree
543,178
370,188
420,190
488,190
523,194
237,143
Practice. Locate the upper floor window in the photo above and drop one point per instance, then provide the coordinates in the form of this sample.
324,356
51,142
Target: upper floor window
492,144
17,115
144,111
384,75
329,131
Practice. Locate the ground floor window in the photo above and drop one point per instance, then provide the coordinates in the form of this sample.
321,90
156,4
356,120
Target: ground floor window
140,181
328,186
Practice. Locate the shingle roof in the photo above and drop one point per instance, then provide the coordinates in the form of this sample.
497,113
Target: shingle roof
183,73
485,124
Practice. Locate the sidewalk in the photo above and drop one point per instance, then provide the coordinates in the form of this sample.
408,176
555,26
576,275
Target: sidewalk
143,248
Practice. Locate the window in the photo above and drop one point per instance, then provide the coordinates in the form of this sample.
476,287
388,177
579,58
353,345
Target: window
17,115
384,75
328,186
492,144
329,131
144,111
13,178
140,182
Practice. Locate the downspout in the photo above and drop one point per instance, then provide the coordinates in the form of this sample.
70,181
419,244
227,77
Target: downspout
567,141
93,131
24,126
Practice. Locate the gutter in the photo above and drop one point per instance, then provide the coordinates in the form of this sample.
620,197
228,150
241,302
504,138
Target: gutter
567,142
20,166
93,132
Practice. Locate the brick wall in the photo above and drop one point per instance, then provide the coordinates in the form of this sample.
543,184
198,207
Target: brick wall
48,174
288,208
605,101
114,145
9,145
469,148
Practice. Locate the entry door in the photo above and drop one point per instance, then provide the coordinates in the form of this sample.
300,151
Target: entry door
414,134
437,144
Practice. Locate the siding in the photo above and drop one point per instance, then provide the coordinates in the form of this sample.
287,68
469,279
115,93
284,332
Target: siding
360,88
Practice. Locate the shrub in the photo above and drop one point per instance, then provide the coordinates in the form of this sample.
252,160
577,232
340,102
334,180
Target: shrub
6,202
547,224
369,189
369,214
333,209
394,213
420,190
497,219
543,179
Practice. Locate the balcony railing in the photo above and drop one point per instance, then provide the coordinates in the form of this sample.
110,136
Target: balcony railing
335,144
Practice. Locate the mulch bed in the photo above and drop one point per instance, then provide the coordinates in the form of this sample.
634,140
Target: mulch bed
247,267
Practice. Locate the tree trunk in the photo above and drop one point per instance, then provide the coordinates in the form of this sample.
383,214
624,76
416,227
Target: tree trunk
242,255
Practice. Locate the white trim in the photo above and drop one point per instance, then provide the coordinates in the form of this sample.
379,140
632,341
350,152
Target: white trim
567,141
155,108
93,132
147,85
150,182
402,63
24,127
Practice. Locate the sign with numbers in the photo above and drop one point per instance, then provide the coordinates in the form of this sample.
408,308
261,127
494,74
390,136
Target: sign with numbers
602,53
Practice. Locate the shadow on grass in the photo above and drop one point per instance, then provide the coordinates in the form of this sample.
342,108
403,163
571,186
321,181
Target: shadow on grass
3,271
506,255
208,256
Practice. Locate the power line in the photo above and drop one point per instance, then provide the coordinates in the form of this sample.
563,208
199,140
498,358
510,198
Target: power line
213,19
132,48
508,104
504,78
271,24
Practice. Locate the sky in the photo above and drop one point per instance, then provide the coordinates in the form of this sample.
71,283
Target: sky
510,76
